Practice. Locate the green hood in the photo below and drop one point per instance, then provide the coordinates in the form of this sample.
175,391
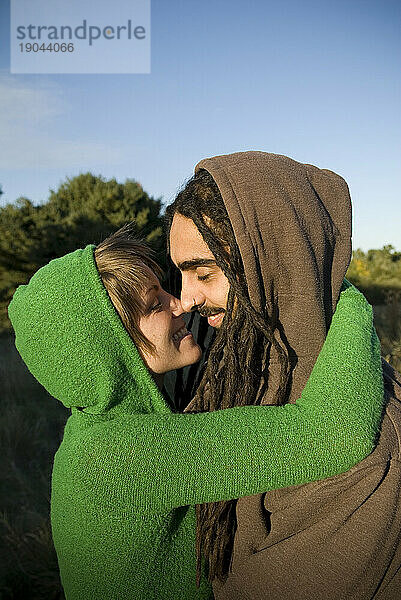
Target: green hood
64,308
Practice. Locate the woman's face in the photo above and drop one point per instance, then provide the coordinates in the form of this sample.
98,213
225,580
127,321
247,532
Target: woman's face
162,324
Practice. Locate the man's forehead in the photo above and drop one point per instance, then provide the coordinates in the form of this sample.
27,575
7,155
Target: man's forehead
187,244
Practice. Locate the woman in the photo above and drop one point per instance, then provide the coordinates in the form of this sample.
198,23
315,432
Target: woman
98,331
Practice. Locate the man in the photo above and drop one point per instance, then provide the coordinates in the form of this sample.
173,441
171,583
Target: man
263,244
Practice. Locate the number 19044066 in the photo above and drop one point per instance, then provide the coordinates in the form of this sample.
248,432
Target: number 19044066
56,47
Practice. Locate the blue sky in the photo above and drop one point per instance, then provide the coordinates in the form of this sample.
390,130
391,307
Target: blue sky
315,80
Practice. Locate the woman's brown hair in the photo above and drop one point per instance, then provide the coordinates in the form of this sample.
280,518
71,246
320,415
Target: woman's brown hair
121,260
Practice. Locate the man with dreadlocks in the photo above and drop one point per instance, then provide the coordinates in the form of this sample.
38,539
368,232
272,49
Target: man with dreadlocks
263,244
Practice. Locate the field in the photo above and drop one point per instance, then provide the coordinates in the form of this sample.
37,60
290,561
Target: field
31,426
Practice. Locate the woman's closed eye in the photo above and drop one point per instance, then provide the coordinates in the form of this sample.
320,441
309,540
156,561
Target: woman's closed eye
155,307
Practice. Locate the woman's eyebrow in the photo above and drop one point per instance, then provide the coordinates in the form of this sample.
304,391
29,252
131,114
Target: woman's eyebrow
154,287
187,265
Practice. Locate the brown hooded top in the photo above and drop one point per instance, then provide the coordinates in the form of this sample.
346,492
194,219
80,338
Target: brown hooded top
339,538
292,223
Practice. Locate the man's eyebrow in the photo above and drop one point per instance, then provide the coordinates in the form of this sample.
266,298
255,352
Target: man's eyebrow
187,265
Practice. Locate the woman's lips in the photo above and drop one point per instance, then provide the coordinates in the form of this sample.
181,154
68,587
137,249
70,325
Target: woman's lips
180,335
189,334
216,320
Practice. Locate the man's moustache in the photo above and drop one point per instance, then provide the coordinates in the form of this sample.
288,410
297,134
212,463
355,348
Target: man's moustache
210,312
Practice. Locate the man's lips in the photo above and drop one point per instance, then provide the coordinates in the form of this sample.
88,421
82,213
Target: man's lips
215,320
214,315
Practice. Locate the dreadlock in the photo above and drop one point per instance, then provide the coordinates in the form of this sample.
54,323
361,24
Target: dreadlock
231,378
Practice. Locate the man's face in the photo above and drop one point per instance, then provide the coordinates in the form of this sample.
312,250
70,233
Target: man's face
204,284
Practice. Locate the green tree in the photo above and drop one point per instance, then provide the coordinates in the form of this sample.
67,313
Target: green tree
376,272
85,209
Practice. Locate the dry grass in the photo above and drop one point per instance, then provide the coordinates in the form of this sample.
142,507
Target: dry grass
388,325
31,426
32,563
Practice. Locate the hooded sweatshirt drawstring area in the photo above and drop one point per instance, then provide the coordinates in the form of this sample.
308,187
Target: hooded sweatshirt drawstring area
129,471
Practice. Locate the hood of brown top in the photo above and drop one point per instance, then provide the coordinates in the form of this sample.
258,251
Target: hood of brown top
292,223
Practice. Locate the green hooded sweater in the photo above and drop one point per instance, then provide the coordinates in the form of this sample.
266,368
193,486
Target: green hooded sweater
129,471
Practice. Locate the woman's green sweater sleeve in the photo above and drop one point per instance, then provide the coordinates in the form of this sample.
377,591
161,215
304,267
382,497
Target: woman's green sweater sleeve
173,460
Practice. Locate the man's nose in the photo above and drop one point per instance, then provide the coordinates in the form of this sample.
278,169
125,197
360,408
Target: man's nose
189,296
187,301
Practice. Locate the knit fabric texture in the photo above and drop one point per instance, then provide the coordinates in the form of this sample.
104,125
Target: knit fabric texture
129,470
